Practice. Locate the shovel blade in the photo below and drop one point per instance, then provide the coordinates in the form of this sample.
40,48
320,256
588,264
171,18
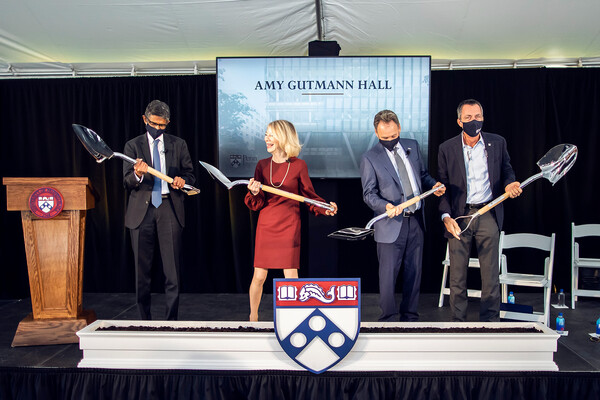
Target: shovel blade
215,173
92,143
558,161
351,234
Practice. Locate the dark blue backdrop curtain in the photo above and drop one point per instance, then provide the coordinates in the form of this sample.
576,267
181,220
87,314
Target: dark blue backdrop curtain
533,109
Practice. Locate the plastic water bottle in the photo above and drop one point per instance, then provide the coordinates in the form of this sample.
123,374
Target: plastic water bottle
561,298
511,298
598,327
560,323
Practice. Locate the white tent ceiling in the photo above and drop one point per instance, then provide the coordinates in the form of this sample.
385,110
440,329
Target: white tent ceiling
112,37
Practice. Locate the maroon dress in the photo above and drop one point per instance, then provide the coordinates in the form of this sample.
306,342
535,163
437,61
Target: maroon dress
278,230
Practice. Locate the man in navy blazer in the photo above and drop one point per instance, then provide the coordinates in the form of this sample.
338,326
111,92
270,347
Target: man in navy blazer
400,237
157,216
475,167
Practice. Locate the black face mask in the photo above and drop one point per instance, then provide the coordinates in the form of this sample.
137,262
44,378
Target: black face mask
154,132
472,128
390,144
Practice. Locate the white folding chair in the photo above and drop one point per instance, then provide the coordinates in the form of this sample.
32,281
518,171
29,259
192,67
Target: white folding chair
445,290
579,231
527,240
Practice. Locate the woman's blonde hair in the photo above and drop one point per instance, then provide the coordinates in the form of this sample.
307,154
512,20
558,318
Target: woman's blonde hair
286,135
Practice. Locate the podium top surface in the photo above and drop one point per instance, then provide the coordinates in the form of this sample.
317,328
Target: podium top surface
77,192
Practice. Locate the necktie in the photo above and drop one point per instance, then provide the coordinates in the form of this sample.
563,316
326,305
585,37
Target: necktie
157,188
405,181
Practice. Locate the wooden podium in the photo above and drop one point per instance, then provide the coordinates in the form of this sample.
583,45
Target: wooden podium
54,249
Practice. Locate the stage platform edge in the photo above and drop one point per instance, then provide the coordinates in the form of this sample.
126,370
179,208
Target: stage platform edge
372,351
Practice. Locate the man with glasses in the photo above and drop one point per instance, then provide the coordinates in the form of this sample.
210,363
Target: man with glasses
155,211
475,167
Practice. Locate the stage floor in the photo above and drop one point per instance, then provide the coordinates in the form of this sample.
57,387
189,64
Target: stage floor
575,351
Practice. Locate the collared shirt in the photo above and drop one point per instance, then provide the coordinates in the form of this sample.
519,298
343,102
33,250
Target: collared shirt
161,151
479,189
411,173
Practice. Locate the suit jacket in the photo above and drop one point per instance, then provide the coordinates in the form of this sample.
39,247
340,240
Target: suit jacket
178,163
453,174
381,185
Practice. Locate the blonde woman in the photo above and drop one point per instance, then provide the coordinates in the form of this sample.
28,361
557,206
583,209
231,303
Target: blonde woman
278,231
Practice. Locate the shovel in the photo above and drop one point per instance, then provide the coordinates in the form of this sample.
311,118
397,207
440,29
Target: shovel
554,165
100,151
218,175
361,233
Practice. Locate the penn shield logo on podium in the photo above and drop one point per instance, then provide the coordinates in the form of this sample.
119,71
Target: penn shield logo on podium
46,202
317,321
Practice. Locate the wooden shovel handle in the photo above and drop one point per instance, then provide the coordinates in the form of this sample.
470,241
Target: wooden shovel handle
493,204
410,202
160,175
283,193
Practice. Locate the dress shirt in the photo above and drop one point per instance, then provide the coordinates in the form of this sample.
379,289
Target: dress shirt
161,151
478,180
411,173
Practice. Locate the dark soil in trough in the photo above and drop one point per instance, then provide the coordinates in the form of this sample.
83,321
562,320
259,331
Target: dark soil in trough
362,330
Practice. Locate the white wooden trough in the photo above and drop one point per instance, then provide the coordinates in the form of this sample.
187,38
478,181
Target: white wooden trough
372,351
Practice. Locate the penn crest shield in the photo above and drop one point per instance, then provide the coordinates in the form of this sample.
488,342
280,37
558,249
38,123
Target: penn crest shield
235,160
317,321
46,202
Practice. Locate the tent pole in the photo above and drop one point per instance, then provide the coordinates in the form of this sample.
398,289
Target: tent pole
319,9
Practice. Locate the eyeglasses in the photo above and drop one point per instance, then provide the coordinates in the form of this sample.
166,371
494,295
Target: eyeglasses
157,126
468,118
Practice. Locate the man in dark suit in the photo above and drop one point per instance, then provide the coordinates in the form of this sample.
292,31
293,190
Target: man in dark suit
475,167
155,209
391,173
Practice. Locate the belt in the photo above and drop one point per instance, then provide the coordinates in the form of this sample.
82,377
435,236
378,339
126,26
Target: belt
477,206
407,214
164,196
